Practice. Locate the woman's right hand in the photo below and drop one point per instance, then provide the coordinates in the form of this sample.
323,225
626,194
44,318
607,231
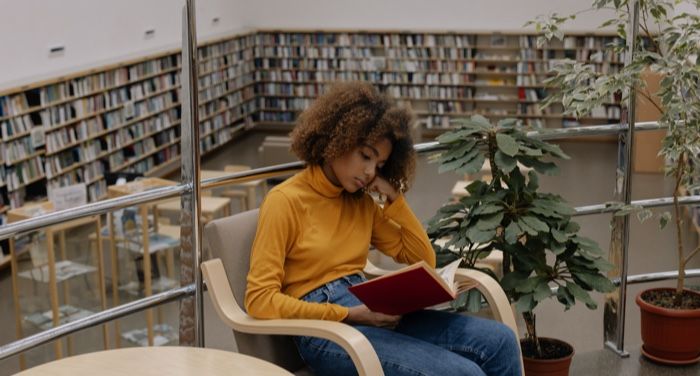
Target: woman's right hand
363,316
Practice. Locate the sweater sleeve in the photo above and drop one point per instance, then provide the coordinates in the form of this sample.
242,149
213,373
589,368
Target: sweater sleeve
399,234
275,237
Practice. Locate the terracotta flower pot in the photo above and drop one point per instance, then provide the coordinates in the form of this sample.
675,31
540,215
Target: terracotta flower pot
670,336
549,367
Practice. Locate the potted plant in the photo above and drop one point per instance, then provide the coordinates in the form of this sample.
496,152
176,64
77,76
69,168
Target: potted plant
544,257
668,46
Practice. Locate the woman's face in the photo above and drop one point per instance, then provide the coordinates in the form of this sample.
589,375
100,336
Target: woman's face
356,169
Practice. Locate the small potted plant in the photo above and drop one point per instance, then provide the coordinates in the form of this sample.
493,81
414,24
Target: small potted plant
667,47
543,255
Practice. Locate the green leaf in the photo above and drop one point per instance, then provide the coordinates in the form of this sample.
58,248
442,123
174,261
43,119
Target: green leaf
533,182
663,219
588,245
559,236
557,248
512,279
507,123
528,285
512,233
474,165
486,209
480,121
450,208
489,222
526,303
479,236
525,227
545,168
461,301
530,152
459,151
542,291
507,144
572,228
535,223
565,297
581,294
449,166
505,162
473,300
596,281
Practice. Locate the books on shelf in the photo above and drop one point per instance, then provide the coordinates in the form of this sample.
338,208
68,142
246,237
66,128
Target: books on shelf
409,289
120,119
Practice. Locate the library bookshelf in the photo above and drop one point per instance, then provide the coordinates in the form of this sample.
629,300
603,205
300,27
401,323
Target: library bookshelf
126,116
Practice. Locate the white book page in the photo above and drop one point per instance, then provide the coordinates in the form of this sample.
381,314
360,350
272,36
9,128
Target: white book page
447,273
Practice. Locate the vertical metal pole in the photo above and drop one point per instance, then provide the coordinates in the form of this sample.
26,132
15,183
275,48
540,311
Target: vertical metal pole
191,311
616,302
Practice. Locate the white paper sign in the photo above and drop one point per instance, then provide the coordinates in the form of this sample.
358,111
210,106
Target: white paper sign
68,197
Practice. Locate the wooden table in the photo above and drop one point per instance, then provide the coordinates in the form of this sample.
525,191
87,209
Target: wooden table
136,186
209,207
147,361
35,209
250,186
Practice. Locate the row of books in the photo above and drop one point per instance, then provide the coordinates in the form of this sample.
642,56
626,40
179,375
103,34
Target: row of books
223,61
38,98
229,46
313,52
88,173
158,158
368,39
213,140
420,40
24,172
420,92
125,118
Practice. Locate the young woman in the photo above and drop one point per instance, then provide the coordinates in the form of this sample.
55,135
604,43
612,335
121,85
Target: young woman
315,230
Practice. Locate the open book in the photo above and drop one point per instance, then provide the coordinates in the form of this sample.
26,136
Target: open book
410,289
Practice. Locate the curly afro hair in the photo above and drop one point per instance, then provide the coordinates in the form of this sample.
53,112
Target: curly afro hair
352,114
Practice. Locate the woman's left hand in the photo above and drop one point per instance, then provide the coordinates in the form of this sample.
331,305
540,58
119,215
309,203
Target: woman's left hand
382,186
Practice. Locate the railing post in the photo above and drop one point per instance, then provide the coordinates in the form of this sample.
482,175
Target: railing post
616,301
191,310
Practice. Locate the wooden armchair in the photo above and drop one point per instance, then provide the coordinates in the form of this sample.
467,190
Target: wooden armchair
230,240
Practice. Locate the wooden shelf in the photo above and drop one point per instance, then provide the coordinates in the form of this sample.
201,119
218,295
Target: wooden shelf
233,67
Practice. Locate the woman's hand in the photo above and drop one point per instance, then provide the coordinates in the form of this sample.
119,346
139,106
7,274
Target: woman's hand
362,315
382,186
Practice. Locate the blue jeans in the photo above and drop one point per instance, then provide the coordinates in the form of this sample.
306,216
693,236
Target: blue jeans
426,342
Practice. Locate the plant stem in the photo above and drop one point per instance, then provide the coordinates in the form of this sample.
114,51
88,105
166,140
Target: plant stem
531,334
690,256
679,230
647,96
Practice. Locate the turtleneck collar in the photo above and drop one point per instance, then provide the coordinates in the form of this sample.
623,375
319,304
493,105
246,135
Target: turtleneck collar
320,183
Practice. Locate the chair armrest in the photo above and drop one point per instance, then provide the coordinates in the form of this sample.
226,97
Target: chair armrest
349,338
495,296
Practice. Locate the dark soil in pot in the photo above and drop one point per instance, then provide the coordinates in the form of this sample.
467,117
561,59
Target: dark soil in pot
665,299
551,349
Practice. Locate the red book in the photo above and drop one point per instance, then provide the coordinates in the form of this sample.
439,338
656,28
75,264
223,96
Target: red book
409,289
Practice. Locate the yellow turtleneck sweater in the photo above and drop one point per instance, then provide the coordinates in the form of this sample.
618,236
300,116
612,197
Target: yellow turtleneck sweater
310,232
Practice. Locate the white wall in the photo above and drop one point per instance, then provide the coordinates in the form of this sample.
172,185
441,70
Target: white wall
96,32
468,15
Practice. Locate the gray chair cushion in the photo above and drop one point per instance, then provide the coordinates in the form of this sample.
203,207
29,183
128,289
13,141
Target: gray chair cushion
231,240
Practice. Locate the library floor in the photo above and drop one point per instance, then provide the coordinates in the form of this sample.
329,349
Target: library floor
585,179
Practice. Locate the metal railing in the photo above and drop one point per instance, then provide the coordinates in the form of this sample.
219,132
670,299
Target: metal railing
189,192
107,206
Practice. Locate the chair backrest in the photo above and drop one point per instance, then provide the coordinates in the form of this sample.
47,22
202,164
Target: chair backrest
231,240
